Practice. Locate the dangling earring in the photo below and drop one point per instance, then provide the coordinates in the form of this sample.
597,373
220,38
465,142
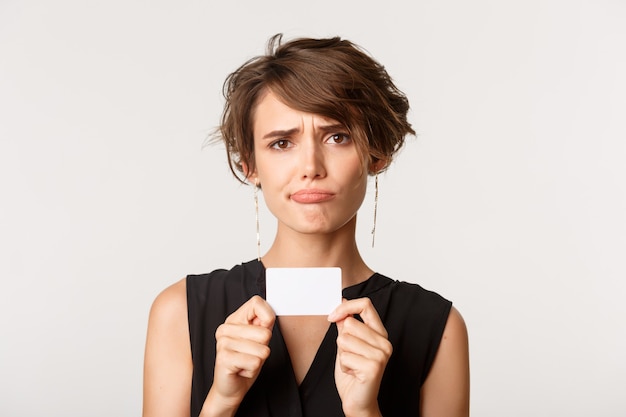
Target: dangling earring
256,215
375,207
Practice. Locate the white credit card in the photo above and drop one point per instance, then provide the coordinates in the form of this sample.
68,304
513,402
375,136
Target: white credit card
303,291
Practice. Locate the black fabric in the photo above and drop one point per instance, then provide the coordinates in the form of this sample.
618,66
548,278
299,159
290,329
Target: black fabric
414,318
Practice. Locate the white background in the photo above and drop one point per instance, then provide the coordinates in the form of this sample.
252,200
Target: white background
511,201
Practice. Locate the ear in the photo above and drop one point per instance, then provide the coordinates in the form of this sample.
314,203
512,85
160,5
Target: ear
377,166
251,176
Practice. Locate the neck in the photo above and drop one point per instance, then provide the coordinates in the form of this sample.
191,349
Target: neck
337,249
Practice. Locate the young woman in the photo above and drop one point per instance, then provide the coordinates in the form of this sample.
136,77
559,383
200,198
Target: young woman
307,123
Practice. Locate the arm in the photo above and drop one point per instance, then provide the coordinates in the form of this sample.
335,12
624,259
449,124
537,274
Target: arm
167,360
445,392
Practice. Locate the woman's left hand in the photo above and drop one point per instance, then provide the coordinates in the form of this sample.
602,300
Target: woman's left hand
362,355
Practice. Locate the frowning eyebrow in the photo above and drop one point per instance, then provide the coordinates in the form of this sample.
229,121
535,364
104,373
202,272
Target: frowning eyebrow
333,128
280,133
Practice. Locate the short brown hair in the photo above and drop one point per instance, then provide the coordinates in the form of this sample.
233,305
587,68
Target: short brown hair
331,77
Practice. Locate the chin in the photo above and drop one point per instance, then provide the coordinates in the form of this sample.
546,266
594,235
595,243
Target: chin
321,228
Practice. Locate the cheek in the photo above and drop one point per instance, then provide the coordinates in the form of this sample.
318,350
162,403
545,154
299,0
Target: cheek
261,167
357,171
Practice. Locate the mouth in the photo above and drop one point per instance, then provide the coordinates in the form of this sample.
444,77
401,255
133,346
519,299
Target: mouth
311,196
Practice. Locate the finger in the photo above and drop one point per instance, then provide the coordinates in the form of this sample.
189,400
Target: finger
254,311
364,308
361,330
253,333
358,366
375,348
246,346
242,364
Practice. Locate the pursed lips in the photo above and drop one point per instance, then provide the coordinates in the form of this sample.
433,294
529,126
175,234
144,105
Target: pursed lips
309,196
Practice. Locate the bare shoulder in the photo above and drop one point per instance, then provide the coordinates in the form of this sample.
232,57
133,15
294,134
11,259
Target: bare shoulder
171,303
455,330
446,389
167,359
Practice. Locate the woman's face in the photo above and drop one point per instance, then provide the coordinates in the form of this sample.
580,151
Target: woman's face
312,176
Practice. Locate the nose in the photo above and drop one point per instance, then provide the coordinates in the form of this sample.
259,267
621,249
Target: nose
312,160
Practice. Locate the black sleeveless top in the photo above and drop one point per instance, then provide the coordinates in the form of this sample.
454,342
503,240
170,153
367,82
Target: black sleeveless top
414,318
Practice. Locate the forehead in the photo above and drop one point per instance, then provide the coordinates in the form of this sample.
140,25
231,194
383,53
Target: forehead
271,113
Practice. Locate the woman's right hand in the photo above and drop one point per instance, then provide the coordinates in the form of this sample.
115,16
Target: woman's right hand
241,350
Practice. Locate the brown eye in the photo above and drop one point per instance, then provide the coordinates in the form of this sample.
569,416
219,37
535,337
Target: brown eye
280,144
339,139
